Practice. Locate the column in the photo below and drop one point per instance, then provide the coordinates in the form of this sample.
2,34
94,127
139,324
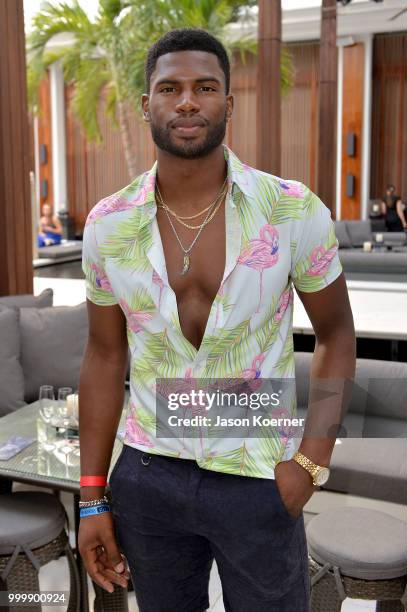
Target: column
268,87
367,126
57,92
15,207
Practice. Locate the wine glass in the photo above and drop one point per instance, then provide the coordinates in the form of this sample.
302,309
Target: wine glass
65,417
63,393
47,402
47,412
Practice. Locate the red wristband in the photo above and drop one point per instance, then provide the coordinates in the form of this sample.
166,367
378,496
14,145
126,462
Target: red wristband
93,481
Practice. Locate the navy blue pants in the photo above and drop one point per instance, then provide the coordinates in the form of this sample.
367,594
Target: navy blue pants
172,518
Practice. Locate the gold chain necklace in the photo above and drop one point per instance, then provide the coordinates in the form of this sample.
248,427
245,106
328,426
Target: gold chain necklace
215,205
179,217
187,258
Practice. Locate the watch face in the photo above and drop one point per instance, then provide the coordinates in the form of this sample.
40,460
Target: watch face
322,476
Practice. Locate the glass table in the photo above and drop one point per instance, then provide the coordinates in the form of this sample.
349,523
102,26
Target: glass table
58,471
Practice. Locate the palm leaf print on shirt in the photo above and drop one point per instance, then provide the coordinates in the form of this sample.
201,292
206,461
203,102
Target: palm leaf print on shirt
159,359
227,351
236,461
129,243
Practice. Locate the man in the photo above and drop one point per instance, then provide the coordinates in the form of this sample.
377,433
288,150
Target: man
211,301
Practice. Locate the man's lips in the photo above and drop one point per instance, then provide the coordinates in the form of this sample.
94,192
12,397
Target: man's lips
188,127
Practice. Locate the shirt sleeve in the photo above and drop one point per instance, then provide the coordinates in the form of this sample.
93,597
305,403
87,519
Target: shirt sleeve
98,287
314,247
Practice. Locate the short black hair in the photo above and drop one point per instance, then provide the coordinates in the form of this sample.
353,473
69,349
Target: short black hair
186,39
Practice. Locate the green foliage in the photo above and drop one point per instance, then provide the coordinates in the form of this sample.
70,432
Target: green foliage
108,54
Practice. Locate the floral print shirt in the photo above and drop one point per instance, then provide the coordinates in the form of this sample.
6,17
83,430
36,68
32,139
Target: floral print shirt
278,234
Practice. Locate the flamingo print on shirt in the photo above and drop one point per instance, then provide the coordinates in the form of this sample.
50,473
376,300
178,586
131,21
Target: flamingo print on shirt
261,253
320,260
253,374
135,318
101,279
135,432
157,280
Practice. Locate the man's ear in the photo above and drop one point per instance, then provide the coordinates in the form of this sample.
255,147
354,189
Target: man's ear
144,105
229,107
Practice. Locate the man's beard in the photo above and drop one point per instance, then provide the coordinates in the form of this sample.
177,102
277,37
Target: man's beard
189,149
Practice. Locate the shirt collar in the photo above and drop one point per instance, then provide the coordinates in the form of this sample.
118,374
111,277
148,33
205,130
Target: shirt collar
238,177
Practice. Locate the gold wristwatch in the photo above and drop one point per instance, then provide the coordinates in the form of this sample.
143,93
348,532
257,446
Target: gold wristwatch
319,473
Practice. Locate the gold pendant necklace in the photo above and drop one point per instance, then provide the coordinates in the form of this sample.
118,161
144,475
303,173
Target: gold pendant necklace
179,217
187,259
186,265
215,205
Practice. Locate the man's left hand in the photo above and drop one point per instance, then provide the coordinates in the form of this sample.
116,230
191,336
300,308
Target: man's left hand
295,486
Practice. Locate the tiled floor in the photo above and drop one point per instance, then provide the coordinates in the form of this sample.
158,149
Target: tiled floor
71,291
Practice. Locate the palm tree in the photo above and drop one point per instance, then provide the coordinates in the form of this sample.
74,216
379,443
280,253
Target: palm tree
106,56
94,61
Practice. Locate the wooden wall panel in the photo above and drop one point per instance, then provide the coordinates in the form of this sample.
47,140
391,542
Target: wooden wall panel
242,127
45,138
15,209
389,114
352,121
300,117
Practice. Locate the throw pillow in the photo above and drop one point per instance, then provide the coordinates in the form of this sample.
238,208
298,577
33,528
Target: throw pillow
342,235
52,345
11,372
359,232
27,301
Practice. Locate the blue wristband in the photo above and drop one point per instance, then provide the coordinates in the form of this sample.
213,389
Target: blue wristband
94,510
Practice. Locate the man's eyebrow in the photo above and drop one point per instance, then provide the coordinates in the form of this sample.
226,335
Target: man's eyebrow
200,80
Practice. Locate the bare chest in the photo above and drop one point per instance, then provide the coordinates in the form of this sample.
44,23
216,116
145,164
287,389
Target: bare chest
196,290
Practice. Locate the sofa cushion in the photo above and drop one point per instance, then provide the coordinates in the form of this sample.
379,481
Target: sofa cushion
52,345
380,389
33,518
342,235
67,249
43,300
359,232
370,467
11,372
382,262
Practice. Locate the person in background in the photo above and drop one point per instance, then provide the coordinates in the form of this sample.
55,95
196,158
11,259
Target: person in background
392,210
50,229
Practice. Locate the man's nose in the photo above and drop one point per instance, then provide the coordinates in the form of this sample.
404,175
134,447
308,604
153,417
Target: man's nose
187,102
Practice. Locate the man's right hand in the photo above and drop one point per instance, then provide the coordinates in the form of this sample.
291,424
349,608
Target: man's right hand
100,553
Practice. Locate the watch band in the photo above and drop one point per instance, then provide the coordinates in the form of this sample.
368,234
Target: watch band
311,467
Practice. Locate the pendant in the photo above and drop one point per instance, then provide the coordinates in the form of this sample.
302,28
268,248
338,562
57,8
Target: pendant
186,265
